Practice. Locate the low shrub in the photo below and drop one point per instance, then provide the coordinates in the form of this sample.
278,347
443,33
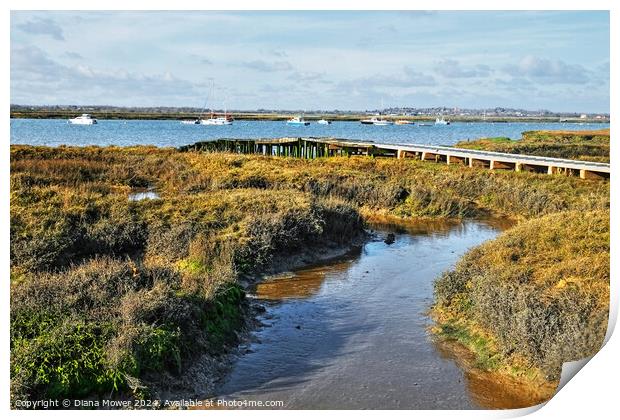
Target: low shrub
111,295
541,290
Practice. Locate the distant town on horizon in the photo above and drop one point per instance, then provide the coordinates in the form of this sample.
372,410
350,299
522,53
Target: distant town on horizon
405,110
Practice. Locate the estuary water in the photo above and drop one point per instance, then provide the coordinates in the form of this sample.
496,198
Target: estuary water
354,333
56,132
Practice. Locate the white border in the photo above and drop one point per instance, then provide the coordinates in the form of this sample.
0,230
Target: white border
592,393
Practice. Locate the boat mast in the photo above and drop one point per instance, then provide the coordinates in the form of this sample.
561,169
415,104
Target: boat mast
212,96
204,108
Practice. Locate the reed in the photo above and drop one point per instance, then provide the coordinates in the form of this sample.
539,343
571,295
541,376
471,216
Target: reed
110,295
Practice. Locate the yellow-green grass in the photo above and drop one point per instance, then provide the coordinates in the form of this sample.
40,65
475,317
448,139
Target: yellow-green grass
533,298
110,295
590,145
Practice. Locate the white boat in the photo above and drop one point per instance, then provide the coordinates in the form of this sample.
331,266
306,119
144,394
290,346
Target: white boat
191,122
441,121
376,121
297,121
323,121
84,119
404,122
217,121
213,119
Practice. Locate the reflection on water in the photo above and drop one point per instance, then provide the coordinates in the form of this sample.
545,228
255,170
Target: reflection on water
434,226
300,284
354,333
492,390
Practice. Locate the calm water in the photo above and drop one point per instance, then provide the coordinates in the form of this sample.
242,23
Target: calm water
354,334
172,133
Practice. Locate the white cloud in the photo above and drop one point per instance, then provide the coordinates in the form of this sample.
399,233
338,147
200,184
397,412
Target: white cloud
266,66
310,58
548,70
308,76
73,55
450,68
409,78
34,74
42,27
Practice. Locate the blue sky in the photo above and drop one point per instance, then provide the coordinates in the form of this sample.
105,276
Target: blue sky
313,60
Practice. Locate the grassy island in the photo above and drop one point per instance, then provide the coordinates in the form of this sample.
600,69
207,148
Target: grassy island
579,145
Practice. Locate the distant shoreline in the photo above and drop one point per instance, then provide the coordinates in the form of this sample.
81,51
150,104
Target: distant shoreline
105,115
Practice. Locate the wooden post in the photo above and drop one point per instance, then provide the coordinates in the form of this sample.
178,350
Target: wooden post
587,174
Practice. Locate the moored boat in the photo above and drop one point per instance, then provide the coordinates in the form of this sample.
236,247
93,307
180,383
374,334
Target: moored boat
441,121
297,121
84,119
214,119
225,120
404,122
323,121
376,121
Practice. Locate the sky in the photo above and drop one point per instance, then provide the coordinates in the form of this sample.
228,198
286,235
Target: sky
347,60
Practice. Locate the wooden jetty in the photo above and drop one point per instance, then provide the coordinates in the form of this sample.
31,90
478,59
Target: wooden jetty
318,147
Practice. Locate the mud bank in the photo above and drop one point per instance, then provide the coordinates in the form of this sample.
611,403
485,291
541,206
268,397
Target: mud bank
207,372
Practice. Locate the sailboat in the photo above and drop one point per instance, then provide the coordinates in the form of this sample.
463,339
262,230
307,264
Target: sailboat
214,119
376,120
441,121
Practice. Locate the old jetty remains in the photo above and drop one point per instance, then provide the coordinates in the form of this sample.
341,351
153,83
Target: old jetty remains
314,147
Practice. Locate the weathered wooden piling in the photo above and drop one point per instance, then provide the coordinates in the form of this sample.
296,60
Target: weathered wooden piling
313,148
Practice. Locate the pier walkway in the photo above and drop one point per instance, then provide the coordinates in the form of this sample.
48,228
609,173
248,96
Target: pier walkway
314,147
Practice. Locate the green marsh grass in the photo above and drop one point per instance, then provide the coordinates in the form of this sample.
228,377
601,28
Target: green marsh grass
112,296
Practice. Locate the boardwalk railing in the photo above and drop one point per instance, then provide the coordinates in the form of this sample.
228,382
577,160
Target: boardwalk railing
313,147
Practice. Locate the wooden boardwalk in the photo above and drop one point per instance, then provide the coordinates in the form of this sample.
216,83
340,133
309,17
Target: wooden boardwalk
314,147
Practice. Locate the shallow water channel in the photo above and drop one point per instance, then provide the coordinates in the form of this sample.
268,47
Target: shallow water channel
353,333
